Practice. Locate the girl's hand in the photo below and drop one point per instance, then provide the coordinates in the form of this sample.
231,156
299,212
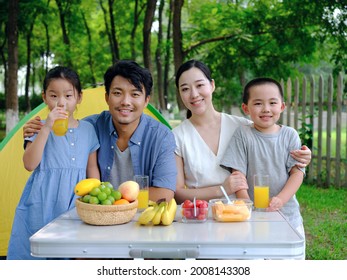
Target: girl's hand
56,114
234,182
275,204
303,156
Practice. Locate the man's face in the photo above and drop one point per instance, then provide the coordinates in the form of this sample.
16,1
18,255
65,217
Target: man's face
126,103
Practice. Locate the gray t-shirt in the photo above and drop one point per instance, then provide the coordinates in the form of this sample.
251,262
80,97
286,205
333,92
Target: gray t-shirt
252,152
121,172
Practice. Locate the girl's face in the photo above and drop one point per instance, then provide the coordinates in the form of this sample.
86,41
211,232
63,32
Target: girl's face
196,90
264,106
61,93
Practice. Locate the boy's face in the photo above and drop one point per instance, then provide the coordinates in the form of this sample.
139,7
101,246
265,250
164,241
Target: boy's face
126,103
264,106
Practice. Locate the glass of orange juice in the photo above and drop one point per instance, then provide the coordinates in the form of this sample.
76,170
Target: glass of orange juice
143,197
60,126
261,191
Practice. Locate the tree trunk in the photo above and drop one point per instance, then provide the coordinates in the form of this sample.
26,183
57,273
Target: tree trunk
66,39
242,76
48,46
107,30
27,75
147,26
90,57
33,79
167,58
4,60
133,31
158,59
27,78
115,48
177,43
11,97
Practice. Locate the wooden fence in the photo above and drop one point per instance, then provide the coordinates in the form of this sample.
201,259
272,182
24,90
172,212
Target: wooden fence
317,110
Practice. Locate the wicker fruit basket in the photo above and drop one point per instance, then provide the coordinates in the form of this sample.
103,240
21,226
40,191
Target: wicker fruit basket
102,215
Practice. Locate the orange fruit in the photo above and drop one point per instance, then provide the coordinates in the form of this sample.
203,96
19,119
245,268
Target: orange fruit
121,201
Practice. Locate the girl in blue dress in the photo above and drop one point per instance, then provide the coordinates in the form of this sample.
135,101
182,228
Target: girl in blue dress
58,162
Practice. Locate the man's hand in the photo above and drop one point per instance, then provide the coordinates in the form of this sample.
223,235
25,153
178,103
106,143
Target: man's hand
31,127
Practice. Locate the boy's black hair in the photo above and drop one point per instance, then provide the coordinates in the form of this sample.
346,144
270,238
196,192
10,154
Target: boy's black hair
257,82
134,73
62,72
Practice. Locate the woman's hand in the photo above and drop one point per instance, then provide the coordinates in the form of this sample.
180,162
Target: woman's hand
234,182
303,156
31,127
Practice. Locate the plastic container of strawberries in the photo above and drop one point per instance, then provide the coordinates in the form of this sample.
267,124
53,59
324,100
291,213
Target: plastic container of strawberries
197,213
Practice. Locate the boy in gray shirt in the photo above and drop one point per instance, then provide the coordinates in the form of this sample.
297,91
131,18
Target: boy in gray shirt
264,148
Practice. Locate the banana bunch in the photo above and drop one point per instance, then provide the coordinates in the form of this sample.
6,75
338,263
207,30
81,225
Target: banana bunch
161,212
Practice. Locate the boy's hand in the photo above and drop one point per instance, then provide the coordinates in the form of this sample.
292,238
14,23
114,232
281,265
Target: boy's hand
31,127
275,204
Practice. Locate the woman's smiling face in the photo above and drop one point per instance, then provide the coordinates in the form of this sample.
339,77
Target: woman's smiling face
195,90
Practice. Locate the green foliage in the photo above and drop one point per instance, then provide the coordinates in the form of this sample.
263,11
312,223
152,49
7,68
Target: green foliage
306,132
262,38
237,39
2,101
35,101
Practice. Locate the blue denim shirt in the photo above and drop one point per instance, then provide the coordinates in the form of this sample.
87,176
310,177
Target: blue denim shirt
152,148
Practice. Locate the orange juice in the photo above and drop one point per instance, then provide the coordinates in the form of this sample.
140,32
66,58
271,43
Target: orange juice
261,196
60,127
143,199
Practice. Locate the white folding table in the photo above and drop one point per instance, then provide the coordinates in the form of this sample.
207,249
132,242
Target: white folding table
267,235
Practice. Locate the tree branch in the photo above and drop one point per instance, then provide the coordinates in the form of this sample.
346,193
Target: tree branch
206,41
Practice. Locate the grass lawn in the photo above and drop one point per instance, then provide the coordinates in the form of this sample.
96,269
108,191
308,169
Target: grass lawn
325,220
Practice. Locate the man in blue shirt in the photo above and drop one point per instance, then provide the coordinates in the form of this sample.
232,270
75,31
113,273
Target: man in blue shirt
131,143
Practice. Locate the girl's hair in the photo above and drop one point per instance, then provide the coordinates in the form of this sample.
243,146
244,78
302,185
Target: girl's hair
61,72
191,64
258,82
187,66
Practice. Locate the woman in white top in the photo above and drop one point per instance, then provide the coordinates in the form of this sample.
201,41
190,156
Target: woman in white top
201,140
